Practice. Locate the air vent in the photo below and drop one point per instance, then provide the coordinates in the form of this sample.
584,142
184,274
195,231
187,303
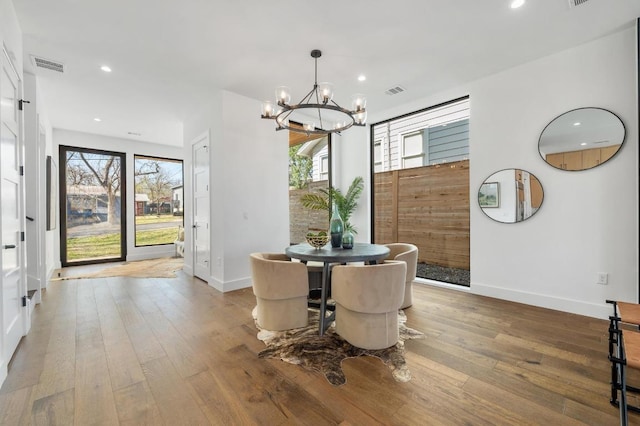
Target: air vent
395,90
48,64
134,133
574,3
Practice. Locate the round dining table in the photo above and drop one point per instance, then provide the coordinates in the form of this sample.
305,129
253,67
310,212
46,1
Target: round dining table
361,252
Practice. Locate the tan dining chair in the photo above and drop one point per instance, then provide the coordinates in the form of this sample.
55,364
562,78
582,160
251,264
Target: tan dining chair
407,253
367,301
281,288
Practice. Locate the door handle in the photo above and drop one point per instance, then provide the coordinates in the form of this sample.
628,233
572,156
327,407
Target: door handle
9,246
30,219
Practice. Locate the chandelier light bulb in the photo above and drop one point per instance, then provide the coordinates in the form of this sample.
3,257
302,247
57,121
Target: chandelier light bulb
268,109
309,126
325,91
360,118
283,95
358,102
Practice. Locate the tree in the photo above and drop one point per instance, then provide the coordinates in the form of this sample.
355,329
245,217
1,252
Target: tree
154,180
107,173
300,168
346,203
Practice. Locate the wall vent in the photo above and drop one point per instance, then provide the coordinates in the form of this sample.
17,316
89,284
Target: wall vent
394,90
48,64
574,3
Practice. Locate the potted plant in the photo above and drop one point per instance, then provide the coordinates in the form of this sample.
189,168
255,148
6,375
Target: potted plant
346,203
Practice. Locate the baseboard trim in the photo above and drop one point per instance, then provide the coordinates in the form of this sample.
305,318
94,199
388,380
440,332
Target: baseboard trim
595,310
187,269
226,286
3,372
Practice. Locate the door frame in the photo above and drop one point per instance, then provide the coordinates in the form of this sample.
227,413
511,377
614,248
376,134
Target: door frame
23,319
62,161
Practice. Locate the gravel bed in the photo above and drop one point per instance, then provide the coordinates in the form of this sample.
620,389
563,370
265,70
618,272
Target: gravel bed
443,274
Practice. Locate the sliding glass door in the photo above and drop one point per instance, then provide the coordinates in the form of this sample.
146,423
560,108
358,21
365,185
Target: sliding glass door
93,206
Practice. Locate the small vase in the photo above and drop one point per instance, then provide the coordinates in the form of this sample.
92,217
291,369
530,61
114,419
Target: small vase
347,240
336,227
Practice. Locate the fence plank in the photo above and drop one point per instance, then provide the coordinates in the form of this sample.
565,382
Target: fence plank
426,206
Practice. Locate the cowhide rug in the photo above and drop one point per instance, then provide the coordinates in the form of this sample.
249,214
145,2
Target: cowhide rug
303,346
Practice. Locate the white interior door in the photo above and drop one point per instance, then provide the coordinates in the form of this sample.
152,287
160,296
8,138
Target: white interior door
13,283
201,248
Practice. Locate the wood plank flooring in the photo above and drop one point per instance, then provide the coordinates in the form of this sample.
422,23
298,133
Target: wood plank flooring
122,351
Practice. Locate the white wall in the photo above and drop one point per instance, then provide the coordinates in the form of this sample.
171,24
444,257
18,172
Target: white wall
588,220
351,158
249,186
130,148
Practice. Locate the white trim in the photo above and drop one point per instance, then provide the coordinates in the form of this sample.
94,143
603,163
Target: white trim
596,310
227,286
425,281
403,157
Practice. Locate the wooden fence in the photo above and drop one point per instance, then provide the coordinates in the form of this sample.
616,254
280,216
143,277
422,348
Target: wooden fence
303,220
426,206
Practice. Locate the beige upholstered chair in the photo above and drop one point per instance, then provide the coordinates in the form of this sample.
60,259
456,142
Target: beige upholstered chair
406,253
367,301
281,289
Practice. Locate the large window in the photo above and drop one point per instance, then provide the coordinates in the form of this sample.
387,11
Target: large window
92,214
309,173
159,200
416,198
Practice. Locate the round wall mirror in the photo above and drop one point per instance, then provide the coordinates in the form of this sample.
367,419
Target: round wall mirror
510,195
581,139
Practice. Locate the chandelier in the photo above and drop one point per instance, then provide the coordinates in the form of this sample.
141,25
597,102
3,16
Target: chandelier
318,105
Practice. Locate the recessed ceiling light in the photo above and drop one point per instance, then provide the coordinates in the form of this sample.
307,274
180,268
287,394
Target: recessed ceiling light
577,123
97,119
105,68
583,144
516,4
362,77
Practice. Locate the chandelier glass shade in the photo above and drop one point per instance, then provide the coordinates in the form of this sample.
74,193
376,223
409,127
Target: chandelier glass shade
317,111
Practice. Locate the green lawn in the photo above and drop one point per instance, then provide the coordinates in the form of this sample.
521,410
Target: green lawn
156,236
152,218
93,246
108,245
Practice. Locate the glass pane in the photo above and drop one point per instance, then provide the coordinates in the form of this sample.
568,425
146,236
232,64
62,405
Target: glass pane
412,145
308,175
427,205
93,206
159,200
377,152
412,162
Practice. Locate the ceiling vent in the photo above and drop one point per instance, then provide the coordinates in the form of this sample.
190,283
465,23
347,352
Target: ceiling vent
394,90
48,64
574,3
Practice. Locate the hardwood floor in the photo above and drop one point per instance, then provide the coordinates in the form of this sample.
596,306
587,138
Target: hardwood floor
175,351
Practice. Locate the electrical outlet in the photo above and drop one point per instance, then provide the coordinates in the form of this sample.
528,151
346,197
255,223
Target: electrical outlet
603,278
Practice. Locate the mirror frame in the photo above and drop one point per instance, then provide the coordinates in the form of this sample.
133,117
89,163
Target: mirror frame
500,201
624,136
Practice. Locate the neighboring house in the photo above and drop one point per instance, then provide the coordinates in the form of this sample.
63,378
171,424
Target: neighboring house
423,139
141,204
318,150
89,202
177,200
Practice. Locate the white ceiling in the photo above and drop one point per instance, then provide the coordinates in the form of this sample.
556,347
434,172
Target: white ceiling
168,56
